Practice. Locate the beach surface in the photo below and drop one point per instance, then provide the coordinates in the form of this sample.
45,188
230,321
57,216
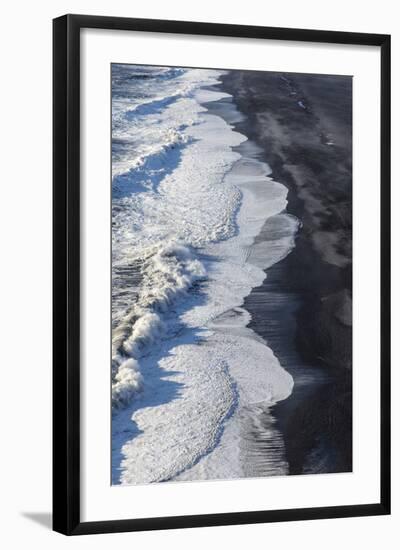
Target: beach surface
303,309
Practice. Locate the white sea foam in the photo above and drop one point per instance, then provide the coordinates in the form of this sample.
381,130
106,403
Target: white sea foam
189,221
150,115
168,272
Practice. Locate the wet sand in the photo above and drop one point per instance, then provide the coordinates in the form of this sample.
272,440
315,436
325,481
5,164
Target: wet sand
302,123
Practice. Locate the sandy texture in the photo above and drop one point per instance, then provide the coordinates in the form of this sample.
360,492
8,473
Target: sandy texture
303,125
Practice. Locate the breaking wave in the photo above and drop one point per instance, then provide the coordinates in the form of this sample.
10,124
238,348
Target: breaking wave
168,272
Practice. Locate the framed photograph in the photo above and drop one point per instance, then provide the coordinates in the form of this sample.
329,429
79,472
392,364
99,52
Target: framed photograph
221,274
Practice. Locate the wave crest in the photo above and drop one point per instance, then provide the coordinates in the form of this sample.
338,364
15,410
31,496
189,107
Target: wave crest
169,270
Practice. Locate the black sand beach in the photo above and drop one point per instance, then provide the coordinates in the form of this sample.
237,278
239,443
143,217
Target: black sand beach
303,310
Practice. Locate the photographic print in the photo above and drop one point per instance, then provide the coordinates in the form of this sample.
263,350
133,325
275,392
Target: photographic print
231,274
214,226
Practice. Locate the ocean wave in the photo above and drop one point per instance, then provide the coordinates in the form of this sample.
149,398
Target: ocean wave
168,272
186,210
141,108
151,107
148,169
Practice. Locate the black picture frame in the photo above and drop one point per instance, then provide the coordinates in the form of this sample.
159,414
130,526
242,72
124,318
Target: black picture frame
66,272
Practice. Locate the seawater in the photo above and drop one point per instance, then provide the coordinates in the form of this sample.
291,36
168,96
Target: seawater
186,208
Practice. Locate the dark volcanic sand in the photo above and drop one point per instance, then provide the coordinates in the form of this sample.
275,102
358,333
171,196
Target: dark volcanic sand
303,309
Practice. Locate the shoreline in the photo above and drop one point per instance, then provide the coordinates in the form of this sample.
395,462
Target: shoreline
307,295
261,198
195,379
